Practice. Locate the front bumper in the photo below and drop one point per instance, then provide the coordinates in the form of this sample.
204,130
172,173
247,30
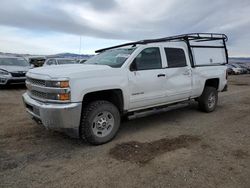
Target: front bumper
65,117
12,80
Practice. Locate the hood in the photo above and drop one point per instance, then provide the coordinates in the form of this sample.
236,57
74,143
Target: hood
55,71
14,68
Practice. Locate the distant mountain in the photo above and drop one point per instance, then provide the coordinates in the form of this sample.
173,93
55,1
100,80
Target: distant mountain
13,54
239,59
70,55
87,56
61,55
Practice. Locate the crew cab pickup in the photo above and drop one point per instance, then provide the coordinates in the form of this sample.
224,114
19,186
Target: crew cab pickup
88,100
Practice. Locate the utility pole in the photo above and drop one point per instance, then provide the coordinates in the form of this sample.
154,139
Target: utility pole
80,47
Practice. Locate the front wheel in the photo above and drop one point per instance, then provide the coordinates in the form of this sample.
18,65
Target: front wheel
100,122
208,100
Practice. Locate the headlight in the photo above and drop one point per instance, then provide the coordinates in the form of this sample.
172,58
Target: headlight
64,84
3,72
59,84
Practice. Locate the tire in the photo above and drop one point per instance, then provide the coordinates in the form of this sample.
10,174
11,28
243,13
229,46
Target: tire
100,122
208,100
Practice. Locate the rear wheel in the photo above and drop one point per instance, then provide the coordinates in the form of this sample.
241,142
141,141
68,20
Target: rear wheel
208,100
100,122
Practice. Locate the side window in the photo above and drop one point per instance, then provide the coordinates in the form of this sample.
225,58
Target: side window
175,57
149,58
51,62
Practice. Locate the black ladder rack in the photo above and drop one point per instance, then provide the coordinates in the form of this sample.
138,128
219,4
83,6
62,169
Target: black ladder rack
194,37
197,37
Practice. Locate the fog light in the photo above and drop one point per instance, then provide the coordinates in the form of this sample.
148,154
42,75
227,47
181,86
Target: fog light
2,80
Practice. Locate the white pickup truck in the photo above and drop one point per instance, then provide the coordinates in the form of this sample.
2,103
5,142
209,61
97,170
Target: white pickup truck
88,100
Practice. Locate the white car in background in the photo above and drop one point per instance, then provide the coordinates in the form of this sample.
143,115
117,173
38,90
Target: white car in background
60,61
13,70
234,70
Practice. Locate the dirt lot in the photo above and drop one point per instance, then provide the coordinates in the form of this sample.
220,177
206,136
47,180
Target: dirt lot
179,148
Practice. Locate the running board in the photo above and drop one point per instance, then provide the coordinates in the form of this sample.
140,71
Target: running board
156,110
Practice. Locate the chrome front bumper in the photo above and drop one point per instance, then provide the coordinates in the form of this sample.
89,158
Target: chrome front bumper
65,117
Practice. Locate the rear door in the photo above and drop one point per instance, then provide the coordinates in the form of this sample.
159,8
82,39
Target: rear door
147,79
178,83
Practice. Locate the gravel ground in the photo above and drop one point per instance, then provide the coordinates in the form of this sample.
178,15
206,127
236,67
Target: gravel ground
180,148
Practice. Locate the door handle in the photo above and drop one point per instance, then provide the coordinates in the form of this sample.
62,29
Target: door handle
161,75
186,72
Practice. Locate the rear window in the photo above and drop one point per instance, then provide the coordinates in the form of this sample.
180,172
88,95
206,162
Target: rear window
175,57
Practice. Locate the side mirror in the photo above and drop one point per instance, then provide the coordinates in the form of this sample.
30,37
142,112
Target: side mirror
133,66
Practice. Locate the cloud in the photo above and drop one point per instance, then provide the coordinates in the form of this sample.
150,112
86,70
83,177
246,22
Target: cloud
131,20
100,5
26,42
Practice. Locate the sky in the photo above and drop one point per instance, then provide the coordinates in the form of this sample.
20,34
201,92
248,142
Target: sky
83,26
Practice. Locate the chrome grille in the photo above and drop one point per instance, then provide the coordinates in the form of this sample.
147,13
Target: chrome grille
36,81
40,90
38,94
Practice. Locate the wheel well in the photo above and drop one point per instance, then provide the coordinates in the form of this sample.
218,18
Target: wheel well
214,82
114,96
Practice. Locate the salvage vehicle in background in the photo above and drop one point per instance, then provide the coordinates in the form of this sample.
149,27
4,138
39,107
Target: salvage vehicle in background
230,70
245,68
60,61
13,70
233,70
36,61
81,61
242,70
88,100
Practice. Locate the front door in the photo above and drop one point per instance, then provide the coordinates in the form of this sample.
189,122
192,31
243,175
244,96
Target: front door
147,79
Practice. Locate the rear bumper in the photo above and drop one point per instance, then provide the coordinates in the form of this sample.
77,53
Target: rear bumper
62,117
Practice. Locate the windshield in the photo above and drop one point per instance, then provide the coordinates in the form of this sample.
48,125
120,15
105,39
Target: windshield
113,58
13,62
66,61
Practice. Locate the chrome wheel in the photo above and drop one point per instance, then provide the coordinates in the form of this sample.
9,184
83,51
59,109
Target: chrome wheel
103,124
211,100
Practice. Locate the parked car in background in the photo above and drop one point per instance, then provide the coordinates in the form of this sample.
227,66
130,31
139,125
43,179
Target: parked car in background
81,61
245,67
233,70
13,70
230,70
60,61
243,70
37,61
